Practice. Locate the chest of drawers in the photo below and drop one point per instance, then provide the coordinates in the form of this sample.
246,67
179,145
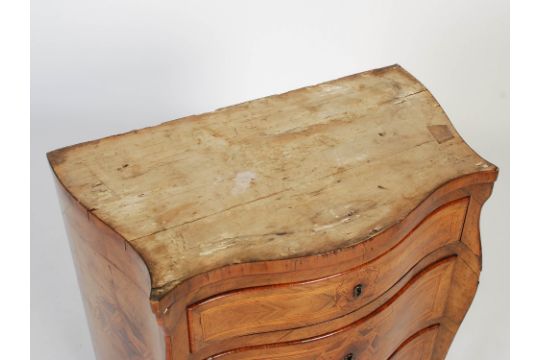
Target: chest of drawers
336,221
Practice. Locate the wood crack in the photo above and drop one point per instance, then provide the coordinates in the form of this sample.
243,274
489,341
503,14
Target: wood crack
213,214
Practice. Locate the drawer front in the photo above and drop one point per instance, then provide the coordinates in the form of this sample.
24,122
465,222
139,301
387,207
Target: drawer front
285,306
379,335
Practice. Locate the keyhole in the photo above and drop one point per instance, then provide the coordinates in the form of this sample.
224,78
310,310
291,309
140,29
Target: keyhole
358,290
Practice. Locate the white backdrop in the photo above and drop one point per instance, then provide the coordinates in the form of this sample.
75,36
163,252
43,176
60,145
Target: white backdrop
104,67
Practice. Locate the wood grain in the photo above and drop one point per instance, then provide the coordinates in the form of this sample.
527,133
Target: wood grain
287,306
242,233
376,336
282,271
115,287
172,318
335,164
417,347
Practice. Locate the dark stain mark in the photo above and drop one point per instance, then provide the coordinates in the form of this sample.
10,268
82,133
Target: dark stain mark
57,157
441,133
381,187
90,211
282,233
422,143
375,341
381,71
382,134
412,94
317,128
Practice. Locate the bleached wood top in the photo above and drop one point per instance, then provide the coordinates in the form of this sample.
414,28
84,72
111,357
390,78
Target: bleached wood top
304,172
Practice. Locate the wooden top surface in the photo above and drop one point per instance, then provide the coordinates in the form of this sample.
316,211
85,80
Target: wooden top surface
305,172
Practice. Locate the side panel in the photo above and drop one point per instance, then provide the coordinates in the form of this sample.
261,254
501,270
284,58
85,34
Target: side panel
466,273
115,287
417,347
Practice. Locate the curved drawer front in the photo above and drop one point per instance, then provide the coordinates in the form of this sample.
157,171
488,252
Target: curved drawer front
418,305
286,306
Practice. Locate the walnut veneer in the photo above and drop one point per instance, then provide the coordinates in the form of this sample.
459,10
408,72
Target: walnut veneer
336,221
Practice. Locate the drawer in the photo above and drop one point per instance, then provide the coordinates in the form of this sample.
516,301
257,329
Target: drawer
286,306
388,331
